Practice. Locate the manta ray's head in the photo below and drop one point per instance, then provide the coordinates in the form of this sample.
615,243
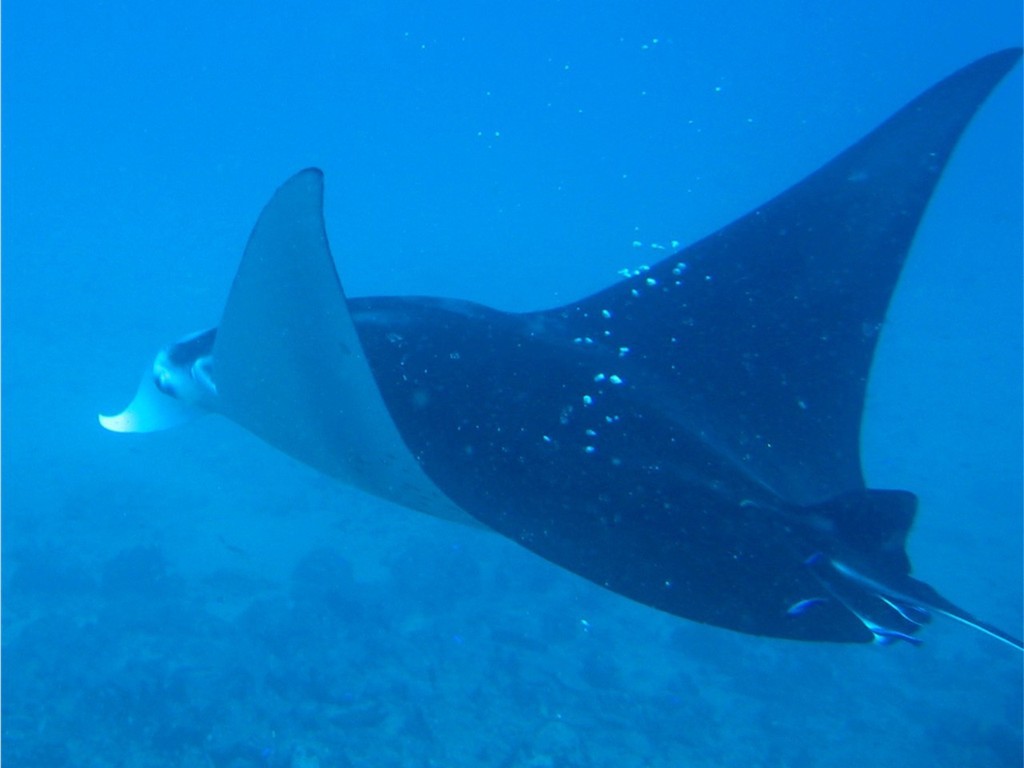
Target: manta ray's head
184,369
177,388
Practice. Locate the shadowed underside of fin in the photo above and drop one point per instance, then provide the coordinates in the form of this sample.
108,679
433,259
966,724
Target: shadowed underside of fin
289,366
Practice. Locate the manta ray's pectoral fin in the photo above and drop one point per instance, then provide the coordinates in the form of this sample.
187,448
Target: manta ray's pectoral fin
289,365
761,335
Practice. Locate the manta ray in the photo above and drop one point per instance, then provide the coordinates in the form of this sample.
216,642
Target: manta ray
688,437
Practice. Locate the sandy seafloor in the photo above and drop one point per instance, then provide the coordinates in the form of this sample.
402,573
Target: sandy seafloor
193,598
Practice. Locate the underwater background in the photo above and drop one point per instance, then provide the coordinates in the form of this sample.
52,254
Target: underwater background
193,598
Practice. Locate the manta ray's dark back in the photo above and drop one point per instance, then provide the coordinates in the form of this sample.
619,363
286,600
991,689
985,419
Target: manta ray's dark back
764,332
689,437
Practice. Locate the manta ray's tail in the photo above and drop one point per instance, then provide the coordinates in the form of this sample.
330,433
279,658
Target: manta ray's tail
867,570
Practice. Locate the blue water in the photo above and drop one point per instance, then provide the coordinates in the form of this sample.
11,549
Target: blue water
193,598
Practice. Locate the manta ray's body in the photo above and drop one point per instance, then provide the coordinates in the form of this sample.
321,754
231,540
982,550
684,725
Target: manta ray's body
688,437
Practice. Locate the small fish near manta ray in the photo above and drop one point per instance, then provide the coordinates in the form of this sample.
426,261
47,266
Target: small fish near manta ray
688,437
